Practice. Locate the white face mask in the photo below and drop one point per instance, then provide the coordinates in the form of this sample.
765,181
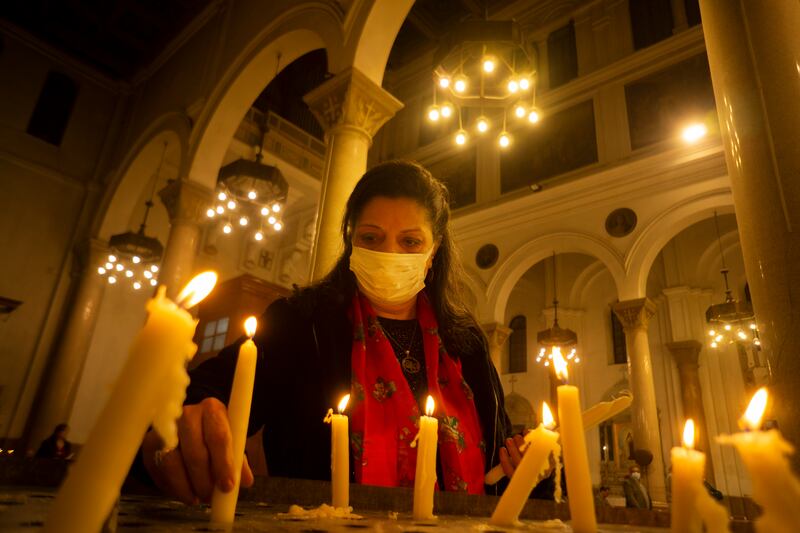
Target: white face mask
388,278
636,475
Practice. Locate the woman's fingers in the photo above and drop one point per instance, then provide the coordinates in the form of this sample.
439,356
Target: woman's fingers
194,451
512,445
247,479
217,437
174,474
505,463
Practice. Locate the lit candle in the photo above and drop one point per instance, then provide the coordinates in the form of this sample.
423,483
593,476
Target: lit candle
576,461
764,453
223,504
593,416
150,389
340,455
425,477
535,463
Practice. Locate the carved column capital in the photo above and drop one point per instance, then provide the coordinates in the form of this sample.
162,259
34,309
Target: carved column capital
186,201
351,99
635,314
685,353
497,333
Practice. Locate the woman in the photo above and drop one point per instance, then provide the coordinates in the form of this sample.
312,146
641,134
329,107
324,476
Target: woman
385,325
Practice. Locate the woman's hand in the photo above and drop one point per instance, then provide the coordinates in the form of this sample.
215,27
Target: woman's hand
202,460
510,455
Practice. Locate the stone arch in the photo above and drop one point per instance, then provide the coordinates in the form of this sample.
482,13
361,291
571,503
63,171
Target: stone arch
136,171
659,231
295,33
709,262
476,288
577,296
520,411
527,255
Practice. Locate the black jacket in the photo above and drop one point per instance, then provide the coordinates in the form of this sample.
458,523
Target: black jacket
304,345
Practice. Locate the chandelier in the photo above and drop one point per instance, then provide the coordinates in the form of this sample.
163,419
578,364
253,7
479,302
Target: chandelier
555,341
250,195
483,76
134,256
731,321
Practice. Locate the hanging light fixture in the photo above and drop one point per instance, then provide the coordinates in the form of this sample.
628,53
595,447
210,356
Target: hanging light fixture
484,69
134,257
556,340
731,321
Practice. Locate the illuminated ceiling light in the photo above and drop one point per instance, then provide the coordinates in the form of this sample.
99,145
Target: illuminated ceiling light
461,137
243,221
276,208
694,132
524,83
533,116
433,113
264,211
520,111
112,258
556,340
513,86
129,273
231,205
210,213
137,285
489,63
147,274
482,124
504,140
136,259
227,228
109,266
222,196
101,271
460,84
153,282
278,226
259,236
112,280
252,195
444,82
154,268
271,220
220,209
119,267
446,110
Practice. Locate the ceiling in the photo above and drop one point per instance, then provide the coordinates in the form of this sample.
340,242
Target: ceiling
118,37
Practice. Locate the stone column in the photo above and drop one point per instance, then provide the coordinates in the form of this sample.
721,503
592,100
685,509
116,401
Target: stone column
686,355
753,50
496,334
186,203
635,316
64,373
351,109
679,21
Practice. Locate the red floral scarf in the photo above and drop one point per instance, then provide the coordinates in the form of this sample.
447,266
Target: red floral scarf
384,414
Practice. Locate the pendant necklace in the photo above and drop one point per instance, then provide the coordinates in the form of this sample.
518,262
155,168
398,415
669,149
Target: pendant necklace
409,364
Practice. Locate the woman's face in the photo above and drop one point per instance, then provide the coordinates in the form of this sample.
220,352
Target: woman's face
394,225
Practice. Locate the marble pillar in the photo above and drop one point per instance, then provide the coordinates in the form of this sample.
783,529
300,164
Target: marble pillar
59,388
635,316
754,55
686,355
186,203
351,108
496,334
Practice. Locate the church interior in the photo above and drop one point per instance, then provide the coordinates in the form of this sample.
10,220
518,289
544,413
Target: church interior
623,174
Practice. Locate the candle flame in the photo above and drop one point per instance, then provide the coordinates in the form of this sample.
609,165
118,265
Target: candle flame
429,406
547,416
343,403
688,434
755,410
250,326
197,289
560,364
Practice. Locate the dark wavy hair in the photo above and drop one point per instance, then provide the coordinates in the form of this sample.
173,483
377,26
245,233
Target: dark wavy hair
408,179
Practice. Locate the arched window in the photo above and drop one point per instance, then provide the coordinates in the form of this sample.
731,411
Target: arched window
517,345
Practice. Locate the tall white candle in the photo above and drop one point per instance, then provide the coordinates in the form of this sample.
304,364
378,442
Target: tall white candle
152,382
542,442
340,455
223,504
425,476
775,488
688,465
576,460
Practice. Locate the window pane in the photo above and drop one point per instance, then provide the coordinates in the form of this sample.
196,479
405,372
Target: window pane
222,325
206,346
651,22
209,329
562,55
53,108
219,342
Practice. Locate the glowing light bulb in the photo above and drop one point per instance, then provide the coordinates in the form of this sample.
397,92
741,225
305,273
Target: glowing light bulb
109,266
210,213
231,205
482,125
112,280
112,258
153,283
433,113
461,137
278,226
741,334
101,271
271,220
524,84
446,110
489,64
513,86
504,140
444,82
252,195
533,116
128,273
227,228
243,221
137,285
694,132
714,344
154,268
460,84
727,327
136,259
520,111
712,333
220,209
752,326
222,196
276,208
259,236
148,274
119,267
